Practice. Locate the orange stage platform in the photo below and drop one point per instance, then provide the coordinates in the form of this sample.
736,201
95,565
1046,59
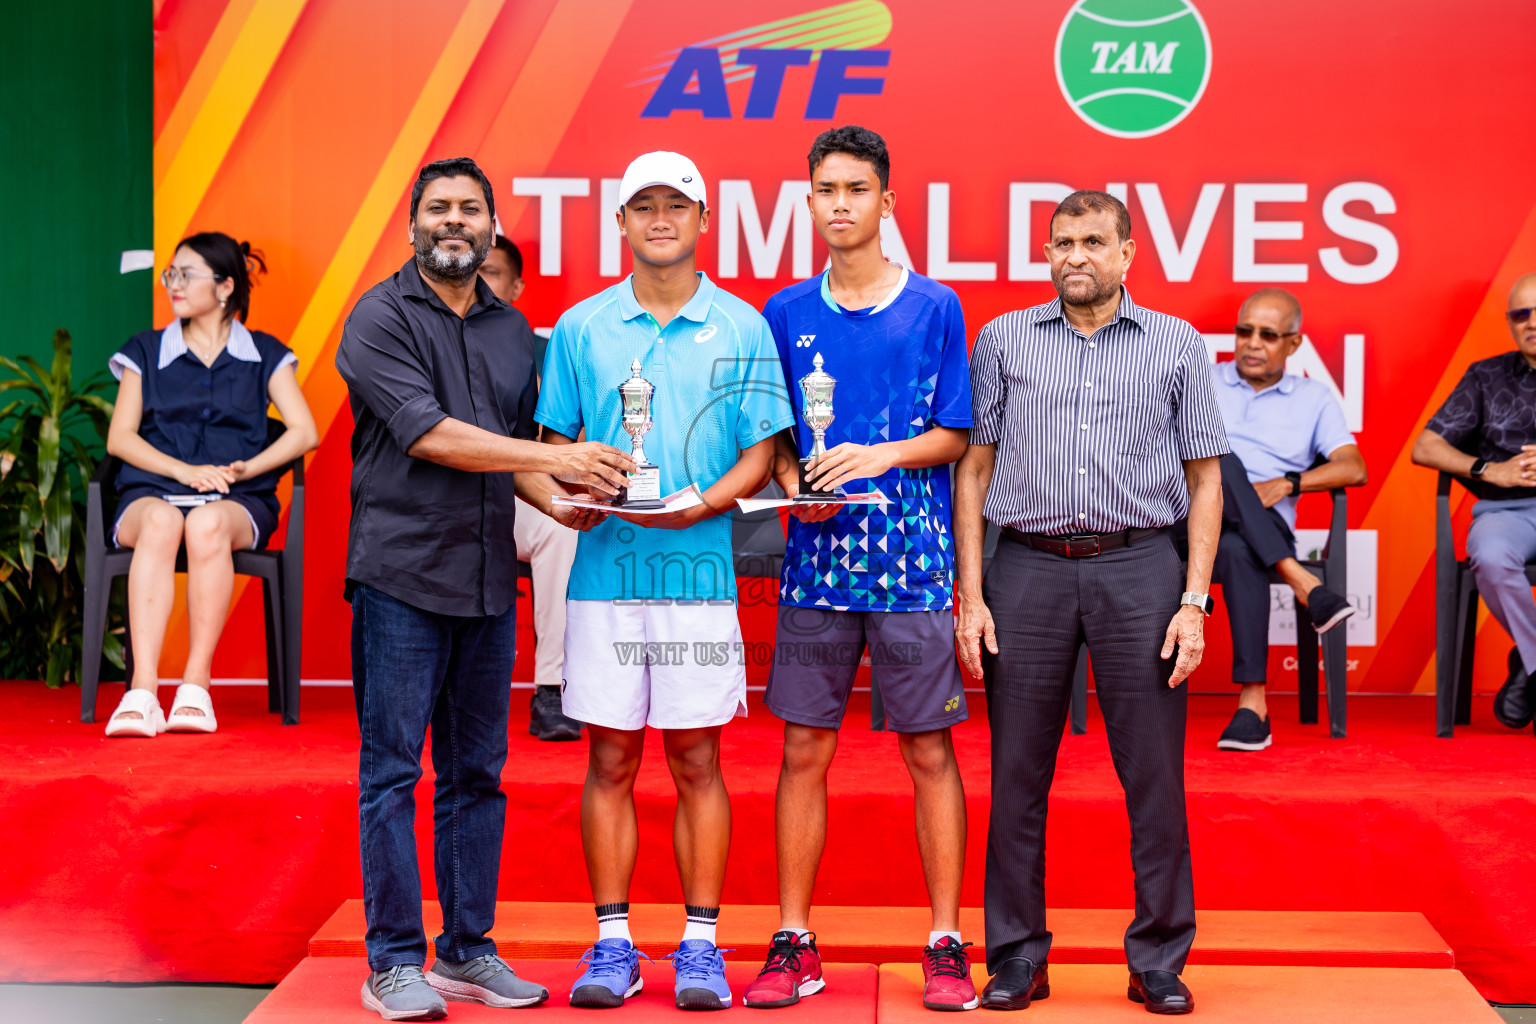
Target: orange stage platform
1095,993
877,935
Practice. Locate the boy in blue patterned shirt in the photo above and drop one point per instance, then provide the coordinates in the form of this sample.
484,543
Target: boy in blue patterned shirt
872,576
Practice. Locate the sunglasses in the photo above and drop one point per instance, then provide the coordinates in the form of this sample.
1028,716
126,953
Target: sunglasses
1265,334
1520,316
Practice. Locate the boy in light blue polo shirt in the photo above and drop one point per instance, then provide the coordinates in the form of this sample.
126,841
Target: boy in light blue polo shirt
651,632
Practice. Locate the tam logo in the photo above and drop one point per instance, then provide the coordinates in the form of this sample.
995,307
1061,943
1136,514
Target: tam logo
835,40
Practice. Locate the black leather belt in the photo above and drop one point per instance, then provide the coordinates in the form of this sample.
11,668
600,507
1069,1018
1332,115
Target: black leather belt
1080,545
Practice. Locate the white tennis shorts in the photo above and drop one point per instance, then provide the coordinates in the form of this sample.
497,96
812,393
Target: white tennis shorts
669,666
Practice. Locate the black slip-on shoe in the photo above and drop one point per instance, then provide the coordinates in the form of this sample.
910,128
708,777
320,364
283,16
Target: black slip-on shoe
1160,992
1246,731
1327,609
1512,704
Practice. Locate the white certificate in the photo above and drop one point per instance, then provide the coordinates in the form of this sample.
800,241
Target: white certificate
676,502
758,504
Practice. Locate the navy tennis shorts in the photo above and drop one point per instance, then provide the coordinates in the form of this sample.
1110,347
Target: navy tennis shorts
817,653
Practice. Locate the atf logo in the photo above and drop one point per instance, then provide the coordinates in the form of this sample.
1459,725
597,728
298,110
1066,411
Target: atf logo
1133,68
834,39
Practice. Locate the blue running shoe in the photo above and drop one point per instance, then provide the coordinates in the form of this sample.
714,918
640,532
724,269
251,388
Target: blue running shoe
612,975
700,976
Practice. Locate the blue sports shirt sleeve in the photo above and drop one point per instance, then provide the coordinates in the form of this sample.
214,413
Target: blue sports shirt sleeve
559,406
952,392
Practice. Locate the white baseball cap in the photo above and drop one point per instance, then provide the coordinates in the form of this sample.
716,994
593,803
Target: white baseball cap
662,168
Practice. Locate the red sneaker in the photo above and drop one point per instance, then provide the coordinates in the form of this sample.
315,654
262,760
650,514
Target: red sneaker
947,976
793,970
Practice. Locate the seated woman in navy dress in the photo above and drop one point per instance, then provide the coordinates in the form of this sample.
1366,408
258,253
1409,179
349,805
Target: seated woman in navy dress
191,428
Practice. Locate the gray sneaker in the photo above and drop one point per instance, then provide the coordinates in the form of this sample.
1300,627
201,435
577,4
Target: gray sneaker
402,993
485,979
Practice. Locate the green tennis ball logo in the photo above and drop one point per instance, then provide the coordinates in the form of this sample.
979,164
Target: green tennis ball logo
1133,68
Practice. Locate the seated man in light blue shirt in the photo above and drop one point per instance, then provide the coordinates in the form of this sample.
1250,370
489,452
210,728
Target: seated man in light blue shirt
1278,425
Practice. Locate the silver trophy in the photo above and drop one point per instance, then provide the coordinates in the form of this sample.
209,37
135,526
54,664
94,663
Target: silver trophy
644,487
816,387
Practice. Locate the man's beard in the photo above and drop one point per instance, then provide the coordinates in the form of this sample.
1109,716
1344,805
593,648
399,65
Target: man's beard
449,266
1100,291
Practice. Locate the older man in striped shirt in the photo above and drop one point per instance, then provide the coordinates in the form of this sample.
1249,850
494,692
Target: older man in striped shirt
1096,429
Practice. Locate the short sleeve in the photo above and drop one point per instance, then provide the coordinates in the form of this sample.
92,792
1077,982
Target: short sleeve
559,406
765,408
383,368
129,357
989,391
1332,433
1197,422
1461,417
952,390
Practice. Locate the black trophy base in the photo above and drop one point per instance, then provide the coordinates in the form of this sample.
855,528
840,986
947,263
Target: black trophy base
647,482
809,493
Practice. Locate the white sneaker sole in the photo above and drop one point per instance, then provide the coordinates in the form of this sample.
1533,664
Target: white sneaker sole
469,992
1338,617
811,986
1241,745
372,1002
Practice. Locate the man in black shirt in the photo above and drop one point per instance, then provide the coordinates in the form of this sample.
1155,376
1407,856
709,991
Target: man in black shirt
442,390
1492,412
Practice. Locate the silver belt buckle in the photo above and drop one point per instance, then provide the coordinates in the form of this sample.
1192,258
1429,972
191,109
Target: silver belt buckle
1072,541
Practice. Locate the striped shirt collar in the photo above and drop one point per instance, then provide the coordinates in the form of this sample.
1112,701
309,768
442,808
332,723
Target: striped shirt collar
1128,310
695,309
1227,374
240,345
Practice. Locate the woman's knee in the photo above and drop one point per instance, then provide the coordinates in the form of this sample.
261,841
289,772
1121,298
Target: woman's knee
207,533
160,525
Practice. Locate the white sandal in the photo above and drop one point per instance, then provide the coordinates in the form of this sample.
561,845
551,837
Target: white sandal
190,695
151,720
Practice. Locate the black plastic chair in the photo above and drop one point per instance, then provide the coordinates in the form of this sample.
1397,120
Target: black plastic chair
282,586
1455,616
1333,567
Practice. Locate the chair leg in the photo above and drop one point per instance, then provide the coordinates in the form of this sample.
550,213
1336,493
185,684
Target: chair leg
1336,678
97,597
274,652
1448,600
1465,652
1306,667
292,613
1080,693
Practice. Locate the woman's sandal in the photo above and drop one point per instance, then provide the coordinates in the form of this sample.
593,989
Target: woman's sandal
190,695
151,720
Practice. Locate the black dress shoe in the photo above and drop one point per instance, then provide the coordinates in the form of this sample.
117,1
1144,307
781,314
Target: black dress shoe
1161,991
1016,982
1512,704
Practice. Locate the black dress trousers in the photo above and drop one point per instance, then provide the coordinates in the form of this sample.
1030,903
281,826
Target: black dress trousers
1044,606
1253,540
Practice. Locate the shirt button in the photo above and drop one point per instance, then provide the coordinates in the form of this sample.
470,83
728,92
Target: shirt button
1082,515
207,383
1084,426
1081,471
1093,344
206,413
1087,383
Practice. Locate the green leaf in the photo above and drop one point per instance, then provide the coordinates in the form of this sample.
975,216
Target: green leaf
31,516
112,650
58,661
47,456
58,516
62,348
96,402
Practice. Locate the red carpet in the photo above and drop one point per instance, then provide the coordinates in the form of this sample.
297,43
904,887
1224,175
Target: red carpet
216,858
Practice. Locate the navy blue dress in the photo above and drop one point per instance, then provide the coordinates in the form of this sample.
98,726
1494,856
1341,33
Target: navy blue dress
204,415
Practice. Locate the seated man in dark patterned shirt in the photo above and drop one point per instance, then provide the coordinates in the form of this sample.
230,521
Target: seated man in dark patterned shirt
1493,412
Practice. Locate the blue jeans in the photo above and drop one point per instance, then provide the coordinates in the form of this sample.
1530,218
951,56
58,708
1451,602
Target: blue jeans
1501,541
412,668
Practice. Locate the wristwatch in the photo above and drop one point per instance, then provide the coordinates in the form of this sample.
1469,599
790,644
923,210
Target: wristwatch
1295,479
1205,602
1478,468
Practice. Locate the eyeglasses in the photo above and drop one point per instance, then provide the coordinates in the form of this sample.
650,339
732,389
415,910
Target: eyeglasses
171,277
1520,316
1265,334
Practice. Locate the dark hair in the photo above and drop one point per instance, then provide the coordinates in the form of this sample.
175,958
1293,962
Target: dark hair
1085,201
454,167
229,260
859,143
514,255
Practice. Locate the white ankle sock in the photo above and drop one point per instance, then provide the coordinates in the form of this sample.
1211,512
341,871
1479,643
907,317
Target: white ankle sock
801,933
701,923
613,922
934,937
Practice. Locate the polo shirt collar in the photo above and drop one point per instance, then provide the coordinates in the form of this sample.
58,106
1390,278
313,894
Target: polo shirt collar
1227,374
411,283
1127,310
695,309
173,346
